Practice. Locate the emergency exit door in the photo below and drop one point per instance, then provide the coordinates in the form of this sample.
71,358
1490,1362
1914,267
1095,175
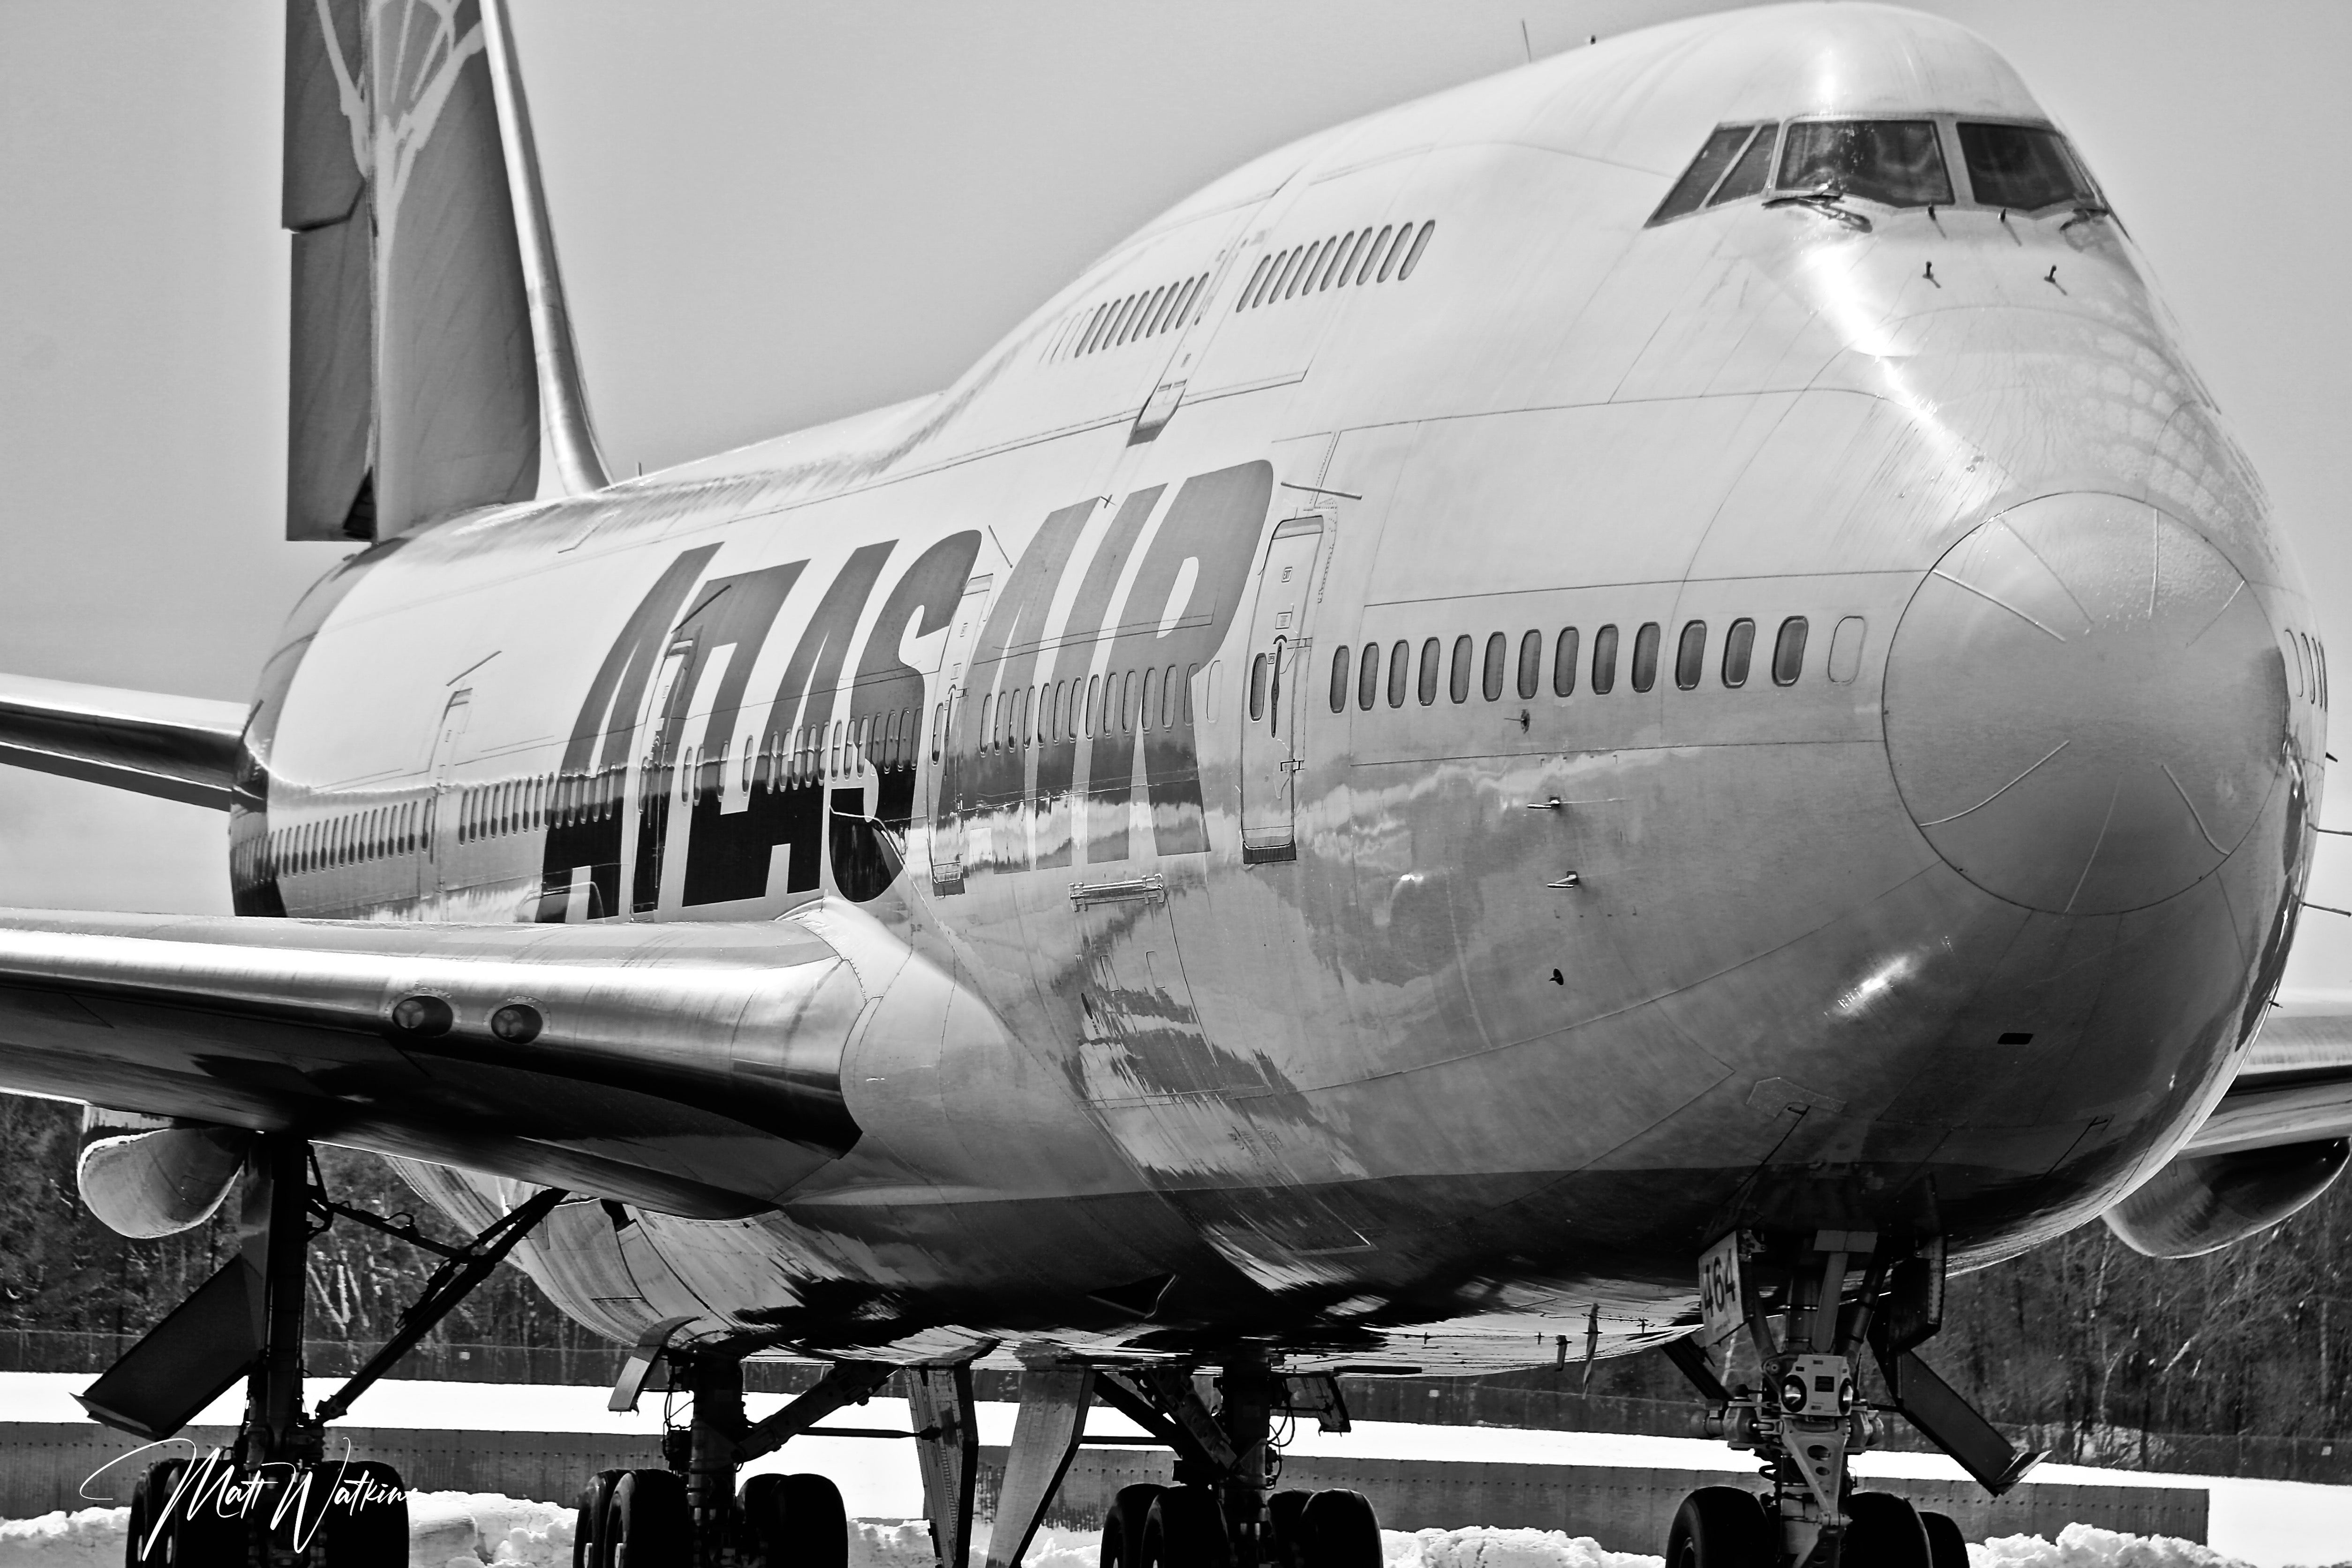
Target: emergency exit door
1274,691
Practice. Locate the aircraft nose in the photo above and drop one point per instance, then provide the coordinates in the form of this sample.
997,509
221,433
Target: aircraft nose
2086,708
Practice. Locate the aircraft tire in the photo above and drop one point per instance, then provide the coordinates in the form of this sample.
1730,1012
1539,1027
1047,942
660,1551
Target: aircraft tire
149,1500
588,1525
1885,1531
1287,1517
812,1524
375,1536
1947,1547
1341,1530
1122,1538
1185,1529
1723,1527
646,1525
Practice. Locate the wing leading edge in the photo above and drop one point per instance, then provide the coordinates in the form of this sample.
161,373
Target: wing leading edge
692,1068
181,748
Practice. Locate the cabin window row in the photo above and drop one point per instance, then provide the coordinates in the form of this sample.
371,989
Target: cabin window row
1121,703
1146,313
1401,673
347,840
1359,256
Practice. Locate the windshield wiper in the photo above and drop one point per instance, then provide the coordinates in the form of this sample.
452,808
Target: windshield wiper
1827,200
2085,212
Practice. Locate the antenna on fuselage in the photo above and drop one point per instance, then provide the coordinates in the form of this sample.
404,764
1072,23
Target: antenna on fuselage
1526,42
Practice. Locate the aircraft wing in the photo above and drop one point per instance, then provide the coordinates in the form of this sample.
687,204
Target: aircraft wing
2296,1084
691,1069
182,747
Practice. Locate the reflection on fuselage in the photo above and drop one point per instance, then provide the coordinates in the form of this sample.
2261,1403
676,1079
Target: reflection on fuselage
1750,687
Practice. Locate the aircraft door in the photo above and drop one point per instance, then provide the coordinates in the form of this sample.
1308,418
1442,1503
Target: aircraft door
653,780
441,823
947,713
1274,691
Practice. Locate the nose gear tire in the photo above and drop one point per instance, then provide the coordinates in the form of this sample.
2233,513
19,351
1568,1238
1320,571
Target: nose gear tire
1722,1527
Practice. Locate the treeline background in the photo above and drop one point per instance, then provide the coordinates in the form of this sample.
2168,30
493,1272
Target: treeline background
2083,1347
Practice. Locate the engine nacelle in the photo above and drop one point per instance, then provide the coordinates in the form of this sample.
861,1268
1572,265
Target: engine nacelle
144,1176
2201,1203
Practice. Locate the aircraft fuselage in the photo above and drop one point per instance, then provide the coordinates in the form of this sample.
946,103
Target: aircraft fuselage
1455,781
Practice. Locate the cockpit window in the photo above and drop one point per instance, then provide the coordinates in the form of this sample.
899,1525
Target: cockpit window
1897,162
1690,191
2023,166
1751,173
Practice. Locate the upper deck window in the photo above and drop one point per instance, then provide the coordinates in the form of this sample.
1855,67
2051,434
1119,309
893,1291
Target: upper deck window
1897,162
2023,166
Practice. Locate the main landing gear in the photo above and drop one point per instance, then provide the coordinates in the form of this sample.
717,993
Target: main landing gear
1223,1511
1809,1305
280,1496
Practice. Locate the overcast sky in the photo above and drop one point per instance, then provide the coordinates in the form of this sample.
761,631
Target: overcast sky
771,216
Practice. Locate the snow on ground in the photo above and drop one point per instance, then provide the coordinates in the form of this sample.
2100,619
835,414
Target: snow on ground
468,1530
2266,1524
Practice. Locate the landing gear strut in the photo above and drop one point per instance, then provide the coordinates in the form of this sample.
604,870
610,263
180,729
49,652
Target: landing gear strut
1811,1305
1224,1510
279,1496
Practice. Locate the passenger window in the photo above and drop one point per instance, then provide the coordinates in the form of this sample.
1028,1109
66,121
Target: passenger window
1348,263
1420,243
1714,156
1367,676
1257,687
1151,687
1739,643
1094,707
1127,703
1334,260
1396,249
1430,654
1690,655
1192,671
1340,669
1399,658
1845,650
1897,162
2023,166
1788,652
1305,271
1604,661
1499,652
1645,657
1458,680
1530,664
987,736
1249,294
1563,664
1372,254
1168,697
1282,280
1751,173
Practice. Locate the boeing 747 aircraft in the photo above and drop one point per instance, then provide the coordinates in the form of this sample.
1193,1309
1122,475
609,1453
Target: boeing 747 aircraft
1642,705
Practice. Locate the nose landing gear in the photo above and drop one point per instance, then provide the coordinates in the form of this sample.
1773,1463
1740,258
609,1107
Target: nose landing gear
1811,1305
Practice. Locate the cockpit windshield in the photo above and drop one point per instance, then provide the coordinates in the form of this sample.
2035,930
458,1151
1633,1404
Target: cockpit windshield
2023,166
1897,162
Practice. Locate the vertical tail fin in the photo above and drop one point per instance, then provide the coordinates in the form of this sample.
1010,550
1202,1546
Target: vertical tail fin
432,363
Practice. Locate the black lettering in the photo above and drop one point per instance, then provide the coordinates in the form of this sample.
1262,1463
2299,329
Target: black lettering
993,780
728,854
738,612
888,695
1214,522
596,755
